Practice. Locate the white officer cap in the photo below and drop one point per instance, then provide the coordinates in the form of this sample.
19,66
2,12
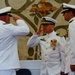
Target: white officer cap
5,10
48,20
67,7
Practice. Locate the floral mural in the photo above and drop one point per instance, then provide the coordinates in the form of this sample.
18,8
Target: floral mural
32,11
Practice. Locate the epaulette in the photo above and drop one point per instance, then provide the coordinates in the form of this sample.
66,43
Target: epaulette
70,21
59,34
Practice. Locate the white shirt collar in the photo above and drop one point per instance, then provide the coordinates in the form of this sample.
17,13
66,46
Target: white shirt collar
71,19
51,34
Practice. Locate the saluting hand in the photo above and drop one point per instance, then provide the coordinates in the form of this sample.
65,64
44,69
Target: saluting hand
39,30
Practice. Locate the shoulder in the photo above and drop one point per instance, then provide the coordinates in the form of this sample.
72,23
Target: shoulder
59,35
9,26
42,38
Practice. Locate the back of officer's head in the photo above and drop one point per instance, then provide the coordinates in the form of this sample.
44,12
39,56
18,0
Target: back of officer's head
68,8
4,14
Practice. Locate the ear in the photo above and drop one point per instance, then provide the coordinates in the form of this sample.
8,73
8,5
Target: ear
5,18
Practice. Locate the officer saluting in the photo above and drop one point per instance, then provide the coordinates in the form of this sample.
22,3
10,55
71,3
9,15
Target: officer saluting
9,60
69,15
51,47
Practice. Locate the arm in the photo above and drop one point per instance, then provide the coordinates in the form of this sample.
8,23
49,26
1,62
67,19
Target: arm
62,43
72,44
21,29
67,55
39,30
33,41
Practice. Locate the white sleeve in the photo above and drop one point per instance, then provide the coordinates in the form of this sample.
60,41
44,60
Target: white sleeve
72,36
21,29
33,41
62,52
68,53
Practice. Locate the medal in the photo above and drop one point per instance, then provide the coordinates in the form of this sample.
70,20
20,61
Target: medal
53,43
43,39
53,48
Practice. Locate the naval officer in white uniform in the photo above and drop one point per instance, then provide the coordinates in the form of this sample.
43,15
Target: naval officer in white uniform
52,47
69,15
9,60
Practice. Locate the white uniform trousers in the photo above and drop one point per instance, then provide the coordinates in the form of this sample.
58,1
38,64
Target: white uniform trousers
7,72
71,73
52,74
55,74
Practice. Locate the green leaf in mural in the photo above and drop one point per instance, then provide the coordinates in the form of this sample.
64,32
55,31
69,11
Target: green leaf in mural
29,59
32,14
49,12
62,1
31,51
34,5
35,56
38,14
48,4
36,20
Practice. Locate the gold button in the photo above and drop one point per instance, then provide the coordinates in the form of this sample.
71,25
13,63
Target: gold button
47,42
45,60
45,54
48,36
46,48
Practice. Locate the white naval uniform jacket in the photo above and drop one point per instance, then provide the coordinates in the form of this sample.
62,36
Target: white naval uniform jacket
52,60
70,46
8,43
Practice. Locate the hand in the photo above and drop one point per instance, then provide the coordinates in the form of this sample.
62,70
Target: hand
13,16
39,30
62,73
9,14
72,67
